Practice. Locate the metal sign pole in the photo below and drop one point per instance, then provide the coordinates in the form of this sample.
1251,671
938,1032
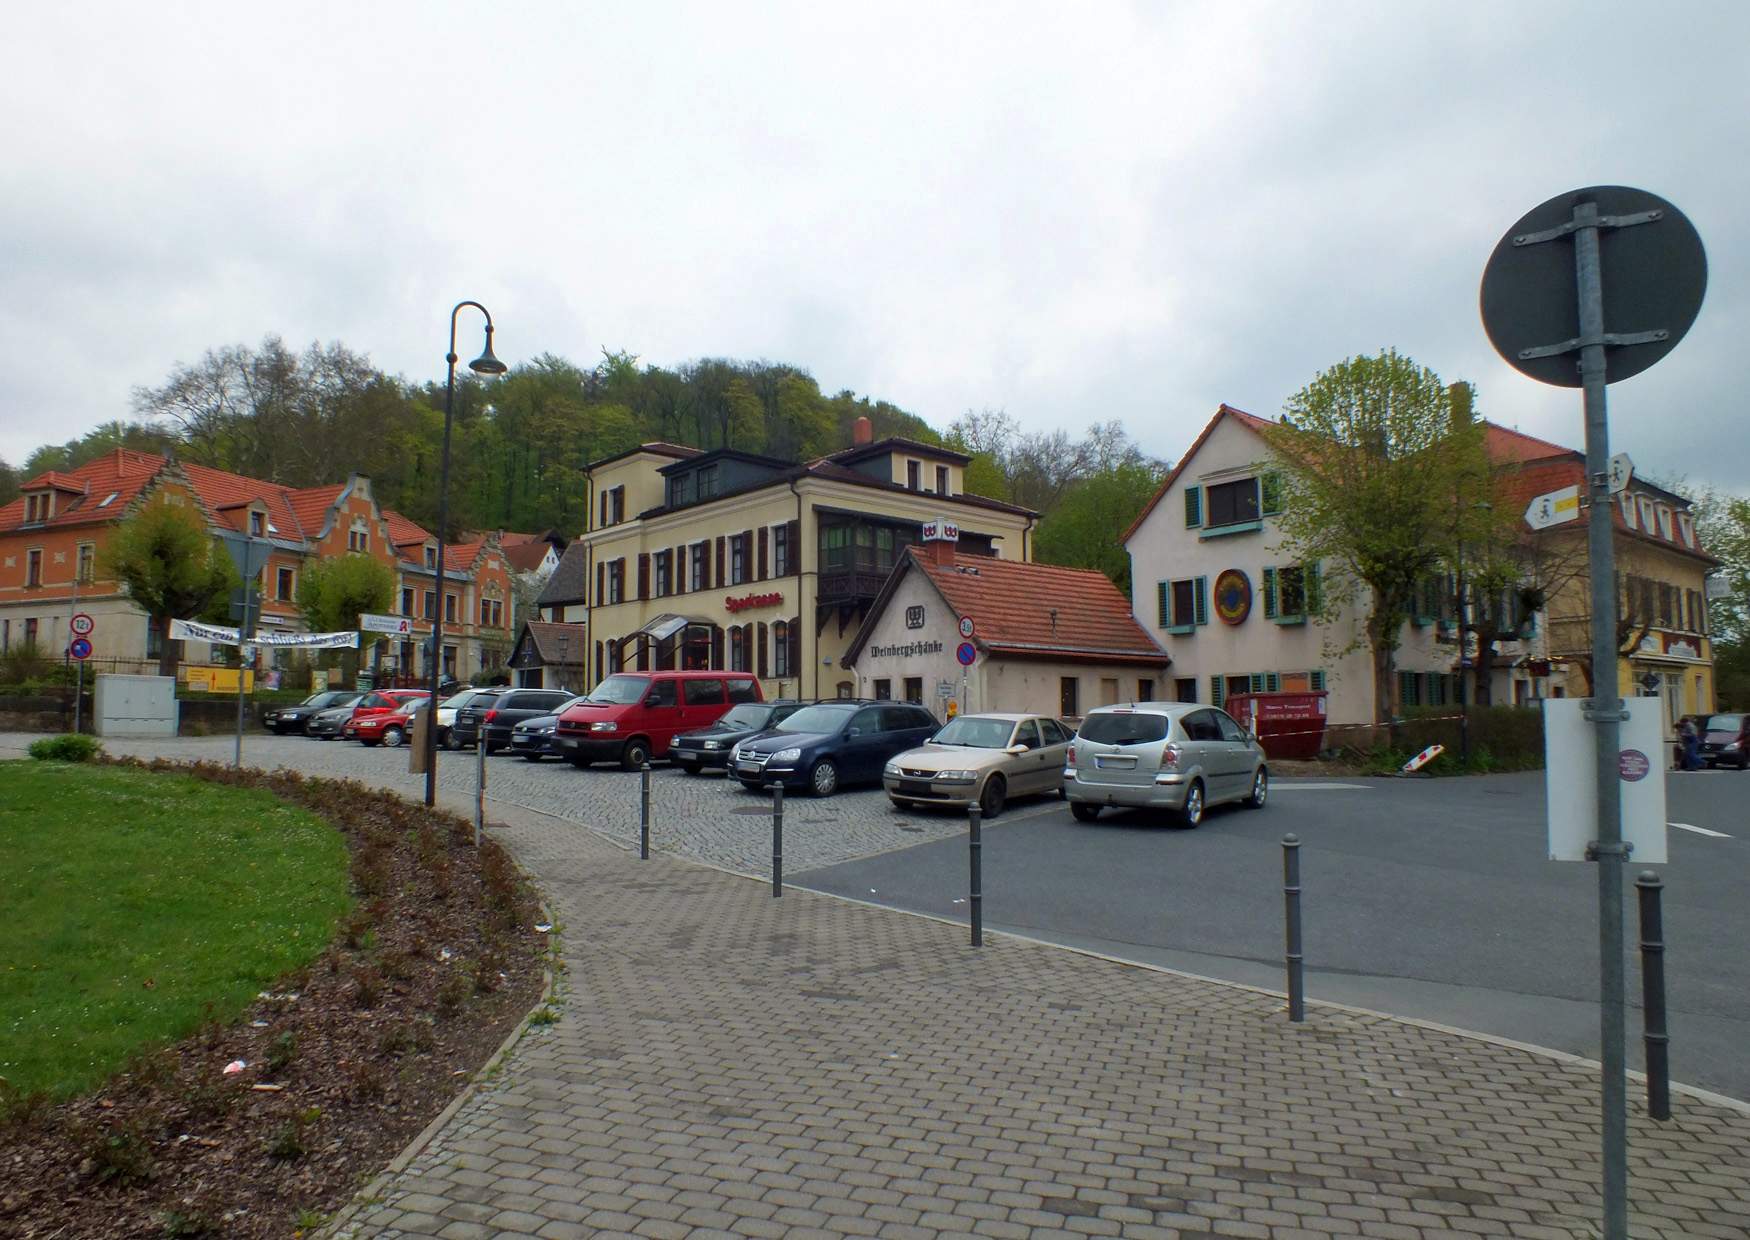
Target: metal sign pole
244,632
1607,715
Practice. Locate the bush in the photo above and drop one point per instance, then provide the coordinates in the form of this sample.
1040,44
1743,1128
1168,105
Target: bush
25,661
72,747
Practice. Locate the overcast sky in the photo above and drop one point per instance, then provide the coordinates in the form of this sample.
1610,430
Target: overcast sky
1072,212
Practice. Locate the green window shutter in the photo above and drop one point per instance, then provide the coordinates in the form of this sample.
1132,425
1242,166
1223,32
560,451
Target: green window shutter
1193,507
1318,681
1270,494
1272,682
1201,607
1269,594
1216,696
1315,589
1161,604
1257,682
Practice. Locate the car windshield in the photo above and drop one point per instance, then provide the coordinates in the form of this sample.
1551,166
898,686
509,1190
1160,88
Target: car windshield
619,690
321,700
827,717
413,705
457,700
976,733
1123,729
1724,723
351,699
747,715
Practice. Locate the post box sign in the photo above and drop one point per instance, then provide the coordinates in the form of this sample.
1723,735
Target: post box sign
941,530
748,601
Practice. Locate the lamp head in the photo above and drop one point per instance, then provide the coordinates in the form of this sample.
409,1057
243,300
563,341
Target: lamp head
487,363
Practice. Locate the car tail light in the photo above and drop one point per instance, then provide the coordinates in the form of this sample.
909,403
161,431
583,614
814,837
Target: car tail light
1169,757
1069,756
491,715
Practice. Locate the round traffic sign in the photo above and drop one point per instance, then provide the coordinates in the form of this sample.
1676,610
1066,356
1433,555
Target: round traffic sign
1652,271
80,649
81,624
966,654
966,627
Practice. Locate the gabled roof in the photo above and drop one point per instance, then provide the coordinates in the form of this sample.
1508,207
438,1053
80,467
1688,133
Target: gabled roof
219,490
1250,421
569,581
1506,445
121,473
53,480
656,447
1025,610
311,504
528,555
553,644
403,532
895,443
725,454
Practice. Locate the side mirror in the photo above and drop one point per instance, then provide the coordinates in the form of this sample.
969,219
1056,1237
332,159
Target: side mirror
653,700
1015,751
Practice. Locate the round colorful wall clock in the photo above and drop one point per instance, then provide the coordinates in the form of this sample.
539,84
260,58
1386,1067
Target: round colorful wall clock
1233,596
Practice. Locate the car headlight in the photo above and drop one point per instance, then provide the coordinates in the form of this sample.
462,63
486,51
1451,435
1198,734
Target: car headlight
548,730
713,745
955,777
892,768
1733,744
787,755
604,727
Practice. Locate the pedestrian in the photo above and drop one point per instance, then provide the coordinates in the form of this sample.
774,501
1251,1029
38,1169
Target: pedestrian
1691,742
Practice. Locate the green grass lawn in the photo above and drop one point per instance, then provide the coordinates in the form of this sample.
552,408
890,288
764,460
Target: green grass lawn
130,901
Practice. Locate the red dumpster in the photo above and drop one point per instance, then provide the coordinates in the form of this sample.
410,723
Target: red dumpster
1289,725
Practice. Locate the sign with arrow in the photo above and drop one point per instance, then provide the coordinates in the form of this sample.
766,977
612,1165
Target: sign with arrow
1553,508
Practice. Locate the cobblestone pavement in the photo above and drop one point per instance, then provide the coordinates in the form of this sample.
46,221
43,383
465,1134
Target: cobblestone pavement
726,1064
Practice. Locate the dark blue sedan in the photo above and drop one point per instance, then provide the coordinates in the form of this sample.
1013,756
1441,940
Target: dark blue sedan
829,744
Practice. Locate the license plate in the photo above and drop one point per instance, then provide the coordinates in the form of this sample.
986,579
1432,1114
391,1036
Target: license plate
747,768
1114,763
913,787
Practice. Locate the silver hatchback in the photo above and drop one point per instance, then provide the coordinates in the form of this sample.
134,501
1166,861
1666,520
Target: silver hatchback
1176,756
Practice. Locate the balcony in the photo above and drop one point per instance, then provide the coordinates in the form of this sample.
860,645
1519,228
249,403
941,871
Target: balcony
850,583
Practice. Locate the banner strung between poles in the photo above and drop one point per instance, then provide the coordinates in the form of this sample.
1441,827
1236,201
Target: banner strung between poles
222,635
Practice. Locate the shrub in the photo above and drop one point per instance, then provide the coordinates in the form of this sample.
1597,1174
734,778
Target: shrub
23,662
280,1053
73,747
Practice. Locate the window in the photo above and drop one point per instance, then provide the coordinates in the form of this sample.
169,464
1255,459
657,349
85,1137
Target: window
358,540
835,546
1185,689
742,690
33,510
781,649
1145,690
883,690
617,504
781,566
431,557
738,559
284,581
662,693
617,580
1629,508
1291,593
1183,604
664,573
703,692
430,605
680,490
406,601
33,575
941,480
914,689
1053,732
1686,526
1232,503
1069,698
698,579
257,524
449,609
913,481
30,629
87,563
708,482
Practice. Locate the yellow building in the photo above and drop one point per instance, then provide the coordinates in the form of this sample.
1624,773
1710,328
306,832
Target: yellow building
726,559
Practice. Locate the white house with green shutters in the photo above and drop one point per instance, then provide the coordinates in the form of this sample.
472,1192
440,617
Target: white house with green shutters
1211,581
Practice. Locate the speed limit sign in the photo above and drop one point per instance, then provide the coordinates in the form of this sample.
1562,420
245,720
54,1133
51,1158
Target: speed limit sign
81,624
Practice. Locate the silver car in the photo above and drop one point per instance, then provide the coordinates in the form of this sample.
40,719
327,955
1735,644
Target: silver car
1175,756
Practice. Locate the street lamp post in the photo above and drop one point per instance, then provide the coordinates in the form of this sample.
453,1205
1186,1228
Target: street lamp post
485,364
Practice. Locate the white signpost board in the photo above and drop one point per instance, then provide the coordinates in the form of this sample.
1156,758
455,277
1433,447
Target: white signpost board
399,625
1571,787
1621,470
1553,508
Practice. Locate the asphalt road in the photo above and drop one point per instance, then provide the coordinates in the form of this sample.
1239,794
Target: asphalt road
1423,898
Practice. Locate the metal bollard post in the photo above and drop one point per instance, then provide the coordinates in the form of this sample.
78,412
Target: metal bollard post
777,840
1653,995
1291,892
975,821
479,785
644,812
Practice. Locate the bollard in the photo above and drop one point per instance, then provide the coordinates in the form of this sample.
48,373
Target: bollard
479,785
644,812
777,840
975,846
1291,893
1653,995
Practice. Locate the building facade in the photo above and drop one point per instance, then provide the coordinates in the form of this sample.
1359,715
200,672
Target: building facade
727,559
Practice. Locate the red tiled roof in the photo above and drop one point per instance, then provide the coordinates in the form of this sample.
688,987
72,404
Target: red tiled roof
1505,445
311,504
219,489
122,473
56,480
459,558
1250,421
556,644
1041,610
526,556
402,531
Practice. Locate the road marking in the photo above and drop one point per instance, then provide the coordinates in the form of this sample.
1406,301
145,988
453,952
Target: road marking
1684,826
1282,787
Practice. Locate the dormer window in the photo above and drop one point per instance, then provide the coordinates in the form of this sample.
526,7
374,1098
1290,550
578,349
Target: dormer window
708,482
257,524
1686,525
430,556
37,507
680,490
1629,508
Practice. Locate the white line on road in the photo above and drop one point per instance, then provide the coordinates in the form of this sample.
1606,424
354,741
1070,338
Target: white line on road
1282,787
1684,826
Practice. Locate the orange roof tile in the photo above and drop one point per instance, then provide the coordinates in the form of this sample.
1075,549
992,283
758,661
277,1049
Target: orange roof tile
1505,445
54,480
311,504
1250,421
402,531
110,483
526,556
219,489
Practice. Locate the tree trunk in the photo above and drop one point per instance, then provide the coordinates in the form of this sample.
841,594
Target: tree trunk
169,651
1482,694
1385,665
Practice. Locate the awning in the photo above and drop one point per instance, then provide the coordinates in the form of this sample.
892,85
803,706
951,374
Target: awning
661,628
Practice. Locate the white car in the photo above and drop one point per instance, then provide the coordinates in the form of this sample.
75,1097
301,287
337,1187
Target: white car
446,714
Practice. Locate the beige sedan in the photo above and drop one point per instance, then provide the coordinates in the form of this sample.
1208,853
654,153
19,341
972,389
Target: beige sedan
981,760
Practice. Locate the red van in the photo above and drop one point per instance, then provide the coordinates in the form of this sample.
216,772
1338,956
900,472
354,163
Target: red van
631,717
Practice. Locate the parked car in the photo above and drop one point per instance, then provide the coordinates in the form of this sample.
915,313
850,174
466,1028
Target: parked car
694,751
283,719
1726,738
533,739
391,729
1176,756
632,717
497,711
325,725
446,715
830,744
331,724
981,760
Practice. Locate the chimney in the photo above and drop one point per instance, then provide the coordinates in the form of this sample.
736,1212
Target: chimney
862,432
940,552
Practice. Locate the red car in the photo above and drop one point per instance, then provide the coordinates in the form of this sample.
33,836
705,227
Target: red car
384,717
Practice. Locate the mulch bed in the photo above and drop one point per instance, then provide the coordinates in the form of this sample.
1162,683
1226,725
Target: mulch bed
347,1060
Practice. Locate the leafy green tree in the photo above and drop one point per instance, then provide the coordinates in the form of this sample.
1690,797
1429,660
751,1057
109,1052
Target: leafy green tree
332,594
173,569
1082,530
9,481
1376,453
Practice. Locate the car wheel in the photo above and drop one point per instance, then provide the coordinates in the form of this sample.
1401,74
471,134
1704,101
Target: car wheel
692,768
995,794
1192,814
1085,811
450,741
823,778
368,744
899,804
394,737
635,754
531,757
1260,790
580,762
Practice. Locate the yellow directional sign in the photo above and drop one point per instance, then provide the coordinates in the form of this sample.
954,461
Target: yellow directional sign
1553,508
